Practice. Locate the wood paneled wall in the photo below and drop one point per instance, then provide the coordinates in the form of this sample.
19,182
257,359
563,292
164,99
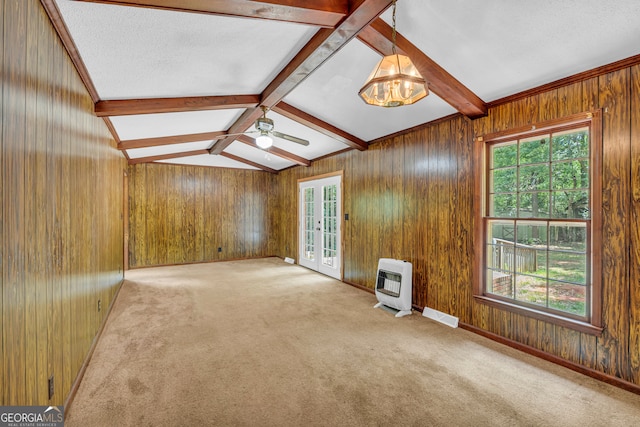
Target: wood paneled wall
183,214
409,198
61,233
412,197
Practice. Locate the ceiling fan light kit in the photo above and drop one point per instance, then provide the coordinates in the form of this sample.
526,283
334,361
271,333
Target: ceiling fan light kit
395,81
265,127
264,141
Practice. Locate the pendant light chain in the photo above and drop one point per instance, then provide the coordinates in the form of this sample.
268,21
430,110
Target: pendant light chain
393,35
395,81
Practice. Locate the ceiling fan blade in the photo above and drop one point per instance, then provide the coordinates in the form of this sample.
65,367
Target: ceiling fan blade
291,138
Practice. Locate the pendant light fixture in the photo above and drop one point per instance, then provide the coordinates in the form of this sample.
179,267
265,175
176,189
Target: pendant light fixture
395,81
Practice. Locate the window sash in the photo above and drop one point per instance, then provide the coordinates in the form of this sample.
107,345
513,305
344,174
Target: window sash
592,322
517,254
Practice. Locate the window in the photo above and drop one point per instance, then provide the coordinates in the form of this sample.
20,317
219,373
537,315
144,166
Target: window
541,203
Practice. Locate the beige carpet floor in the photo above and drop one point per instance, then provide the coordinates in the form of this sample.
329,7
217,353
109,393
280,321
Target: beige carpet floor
265,343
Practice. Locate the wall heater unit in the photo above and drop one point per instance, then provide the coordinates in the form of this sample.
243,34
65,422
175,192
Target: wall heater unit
393,286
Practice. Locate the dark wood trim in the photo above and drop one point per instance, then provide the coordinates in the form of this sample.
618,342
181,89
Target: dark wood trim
68,402
321,13
124,107
566,81
615,381
63,32
325,128
276,151
379,35
595,180
363,288
249,162
150,159
321,47
141,267
477,274
167,140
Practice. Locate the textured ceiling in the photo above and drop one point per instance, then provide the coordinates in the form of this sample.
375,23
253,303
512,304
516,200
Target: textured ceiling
491,48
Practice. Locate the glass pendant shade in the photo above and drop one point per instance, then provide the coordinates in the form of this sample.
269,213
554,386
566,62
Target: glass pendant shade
264,141
394,82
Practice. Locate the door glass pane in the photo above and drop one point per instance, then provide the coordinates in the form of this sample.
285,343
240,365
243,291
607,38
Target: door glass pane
329,212
309,233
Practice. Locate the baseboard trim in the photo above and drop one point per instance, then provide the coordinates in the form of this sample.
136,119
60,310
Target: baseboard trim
76,383
362,288
609,379
204,262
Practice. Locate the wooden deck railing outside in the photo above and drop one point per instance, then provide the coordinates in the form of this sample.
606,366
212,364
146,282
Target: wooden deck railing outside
506,253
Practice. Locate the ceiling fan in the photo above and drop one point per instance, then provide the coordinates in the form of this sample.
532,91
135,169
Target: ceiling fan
264,126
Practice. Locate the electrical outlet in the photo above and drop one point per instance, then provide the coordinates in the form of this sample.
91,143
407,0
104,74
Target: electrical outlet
51,387
99,305
219,249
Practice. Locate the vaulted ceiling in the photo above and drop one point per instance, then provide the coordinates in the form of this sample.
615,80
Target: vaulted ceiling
172,77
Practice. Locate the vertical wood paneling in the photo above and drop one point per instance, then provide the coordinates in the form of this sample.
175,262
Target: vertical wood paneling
32,267
3,380
61,235
590,102
175,204
64,193
14,106
54,226
634,262
384,180
444,254
612,347
408,208
548,103
398,196
431,220
465,209
524,111
451,304
569,100
480,312
590,94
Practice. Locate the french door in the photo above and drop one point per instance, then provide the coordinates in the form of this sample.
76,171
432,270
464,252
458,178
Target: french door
319,231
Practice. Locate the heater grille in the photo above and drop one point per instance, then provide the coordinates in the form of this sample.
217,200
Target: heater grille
389,283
